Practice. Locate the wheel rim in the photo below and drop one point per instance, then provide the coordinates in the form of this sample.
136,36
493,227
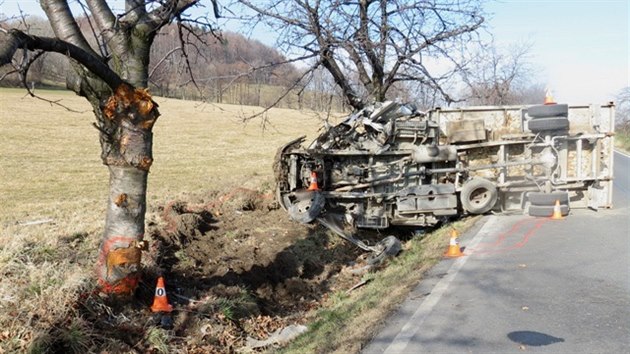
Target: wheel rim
479,196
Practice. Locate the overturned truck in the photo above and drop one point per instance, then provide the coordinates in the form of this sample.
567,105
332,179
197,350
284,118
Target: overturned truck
390,164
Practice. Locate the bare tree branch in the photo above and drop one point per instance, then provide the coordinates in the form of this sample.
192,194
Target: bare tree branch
64,25
103,15
14,39
99,39
167,12
368,46
163,59
135,10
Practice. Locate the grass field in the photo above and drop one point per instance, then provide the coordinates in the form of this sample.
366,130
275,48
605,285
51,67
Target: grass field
50,157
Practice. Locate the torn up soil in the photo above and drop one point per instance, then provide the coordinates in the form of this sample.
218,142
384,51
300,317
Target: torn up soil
235,266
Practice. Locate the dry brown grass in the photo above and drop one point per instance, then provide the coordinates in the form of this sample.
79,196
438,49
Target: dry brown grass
49,155
50,169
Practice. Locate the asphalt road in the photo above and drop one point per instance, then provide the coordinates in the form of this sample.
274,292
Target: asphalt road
526,285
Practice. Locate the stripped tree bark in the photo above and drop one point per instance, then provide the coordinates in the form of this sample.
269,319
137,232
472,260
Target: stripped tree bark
114,82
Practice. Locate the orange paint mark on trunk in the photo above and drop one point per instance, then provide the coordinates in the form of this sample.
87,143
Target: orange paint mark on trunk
125,286
123,257
119,257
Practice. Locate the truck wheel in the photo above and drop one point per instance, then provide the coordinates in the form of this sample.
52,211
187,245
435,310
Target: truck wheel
305,206
546,211
548,199
390,246
544,124
478,195
553,110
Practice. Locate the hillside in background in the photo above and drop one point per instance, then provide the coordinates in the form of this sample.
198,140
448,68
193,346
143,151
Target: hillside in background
223,67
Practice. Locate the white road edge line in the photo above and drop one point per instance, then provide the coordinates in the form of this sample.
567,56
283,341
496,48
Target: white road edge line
622,154
400,342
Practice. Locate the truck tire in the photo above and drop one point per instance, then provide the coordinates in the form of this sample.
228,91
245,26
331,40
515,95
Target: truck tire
548,199
547,111
545,124
478,195
306,206
390,246
546,211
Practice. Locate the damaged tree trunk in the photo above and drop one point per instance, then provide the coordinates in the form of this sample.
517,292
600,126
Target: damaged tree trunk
125,118
126,141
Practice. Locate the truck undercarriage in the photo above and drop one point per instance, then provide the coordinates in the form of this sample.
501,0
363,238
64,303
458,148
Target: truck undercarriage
390,164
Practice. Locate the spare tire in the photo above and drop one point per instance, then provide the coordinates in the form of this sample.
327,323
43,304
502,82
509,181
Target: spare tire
544,124
546,111
546,211
549,199
478,195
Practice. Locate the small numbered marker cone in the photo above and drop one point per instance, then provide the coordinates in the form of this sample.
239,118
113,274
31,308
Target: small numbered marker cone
453,247
549,98
313,186
160,301
557,212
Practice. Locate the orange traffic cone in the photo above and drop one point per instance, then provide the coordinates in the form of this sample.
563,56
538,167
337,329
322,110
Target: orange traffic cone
160,301
557,212
313,186
549,98
453,247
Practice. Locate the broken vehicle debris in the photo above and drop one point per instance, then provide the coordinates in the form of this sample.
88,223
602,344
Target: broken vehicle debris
390,164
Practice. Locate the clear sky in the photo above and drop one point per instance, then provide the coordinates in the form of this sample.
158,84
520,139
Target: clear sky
580,48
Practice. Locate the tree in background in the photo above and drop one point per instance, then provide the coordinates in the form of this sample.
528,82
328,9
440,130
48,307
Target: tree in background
371,46
112,74
502,77
622,111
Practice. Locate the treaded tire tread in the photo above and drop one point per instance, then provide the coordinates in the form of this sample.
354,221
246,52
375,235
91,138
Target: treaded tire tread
547,111
546,211
548,199
545,124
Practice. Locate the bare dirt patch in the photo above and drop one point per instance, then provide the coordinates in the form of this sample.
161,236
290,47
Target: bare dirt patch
235,267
